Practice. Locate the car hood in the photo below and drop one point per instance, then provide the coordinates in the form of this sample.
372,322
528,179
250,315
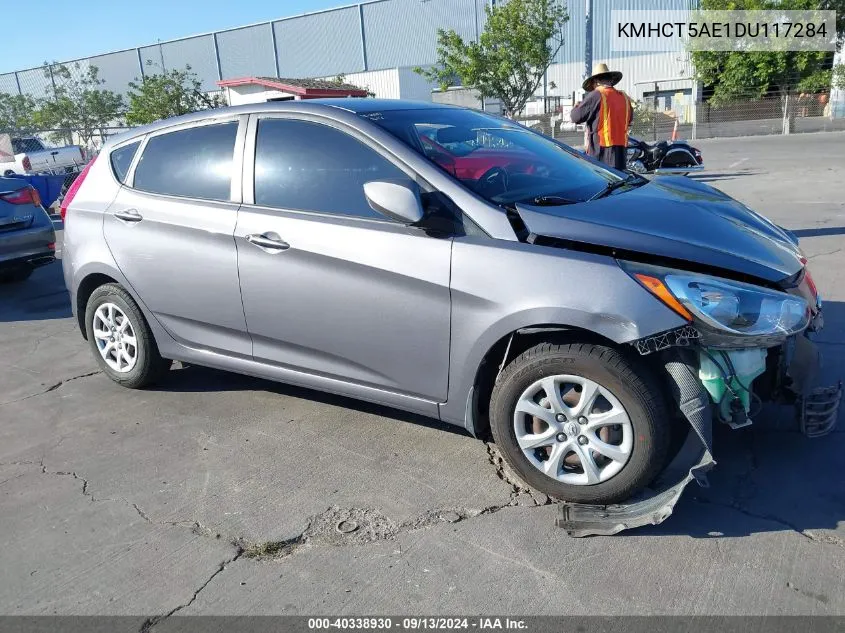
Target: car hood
675,218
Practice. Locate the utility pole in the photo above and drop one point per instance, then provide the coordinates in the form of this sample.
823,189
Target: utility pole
588,38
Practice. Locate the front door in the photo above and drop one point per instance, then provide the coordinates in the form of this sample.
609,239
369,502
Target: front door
172,235
329,286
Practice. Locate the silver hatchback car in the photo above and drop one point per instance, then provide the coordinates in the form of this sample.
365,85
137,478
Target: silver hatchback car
446,262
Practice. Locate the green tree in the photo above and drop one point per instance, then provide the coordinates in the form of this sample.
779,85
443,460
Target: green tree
17,113
838,80
752,74
166,94
75,102
518,44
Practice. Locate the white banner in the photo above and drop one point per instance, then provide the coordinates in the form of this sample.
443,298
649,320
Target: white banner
678,31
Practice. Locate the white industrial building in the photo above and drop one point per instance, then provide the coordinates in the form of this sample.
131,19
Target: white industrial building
375,45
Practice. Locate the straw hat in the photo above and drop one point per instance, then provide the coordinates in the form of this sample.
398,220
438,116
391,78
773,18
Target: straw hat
601,71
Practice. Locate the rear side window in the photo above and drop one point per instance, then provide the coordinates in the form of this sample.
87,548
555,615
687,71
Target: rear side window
121,158
312,167
196,162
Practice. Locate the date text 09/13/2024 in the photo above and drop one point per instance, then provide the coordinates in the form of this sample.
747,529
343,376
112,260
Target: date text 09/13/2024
417,623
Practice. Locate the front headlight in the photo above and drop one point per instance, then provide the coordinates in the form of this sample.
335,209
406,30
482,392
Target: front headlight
727,313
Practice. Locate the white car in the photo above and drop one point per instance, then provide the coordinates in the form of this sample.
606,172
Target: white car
28,155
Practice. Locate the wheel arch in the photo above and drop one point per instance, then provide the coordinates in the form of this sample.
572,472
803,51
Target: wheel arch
91,278
84,291
508,347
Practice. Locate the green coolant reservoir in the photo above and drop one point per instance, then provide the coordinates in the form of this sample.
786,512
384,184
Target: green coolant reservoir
747,363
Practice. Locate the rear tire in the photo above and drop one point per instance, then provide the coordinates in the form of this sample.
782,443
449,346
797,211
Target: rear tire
593,461
134,364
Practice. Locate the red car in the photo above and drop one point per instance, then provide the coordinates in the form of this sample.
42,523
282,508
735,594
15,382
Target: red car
467,160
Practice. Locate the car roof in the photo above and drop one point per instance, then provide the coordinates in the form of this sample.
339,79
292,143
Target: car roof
349,104
379,105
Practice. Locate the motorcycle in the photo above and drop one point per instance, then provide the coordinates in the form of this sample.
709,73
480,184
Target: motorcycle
664,157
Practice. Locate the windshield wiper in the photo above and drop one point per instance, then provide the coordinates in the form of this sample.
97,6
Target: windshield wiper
630,179
551,201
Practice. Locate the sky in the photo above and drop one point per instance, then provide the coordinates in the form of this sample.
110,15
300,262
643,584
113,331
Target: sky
61,30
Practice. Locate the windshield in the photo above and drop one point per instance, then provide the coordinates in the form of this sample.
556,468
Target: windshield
500,160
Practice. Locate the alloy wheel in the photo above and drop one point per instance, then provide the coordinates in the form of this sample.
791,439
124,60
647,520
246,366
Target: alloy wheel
573,429
115,338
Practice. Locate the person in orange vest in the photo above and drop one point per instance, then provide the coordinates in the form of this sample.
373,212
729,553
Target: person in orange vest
608,114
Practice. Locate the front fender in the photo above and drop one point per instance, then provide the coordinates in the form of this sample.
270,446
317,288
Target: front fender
500,287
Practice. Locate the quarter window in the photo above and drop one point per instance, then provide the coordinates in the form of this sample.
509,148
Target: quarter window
313,167
121,159
196,162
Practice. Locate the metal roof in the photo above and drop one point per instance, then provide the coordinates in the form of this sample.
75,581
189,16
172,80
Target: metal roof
302,87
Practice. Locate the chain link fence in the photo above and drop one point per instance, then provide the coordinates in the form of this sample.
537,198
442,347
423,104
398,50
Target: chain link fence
53,121
49,159
790,112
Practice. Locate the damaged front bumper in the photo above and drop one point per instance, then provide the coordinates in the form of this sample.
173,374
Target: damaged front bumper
655,504
791,379
816,407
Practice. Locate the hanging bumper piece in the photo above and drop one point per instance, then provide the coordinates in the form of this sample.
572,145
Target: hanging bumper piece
655,504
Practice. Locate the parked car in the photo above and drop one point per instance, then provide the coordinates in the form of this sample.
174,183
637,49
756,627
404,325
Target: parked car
470,158
30,156
587,317
27,239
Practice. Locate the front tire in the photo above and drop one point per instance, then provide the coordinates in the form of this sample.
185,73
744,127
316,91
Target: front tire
580,422
121,339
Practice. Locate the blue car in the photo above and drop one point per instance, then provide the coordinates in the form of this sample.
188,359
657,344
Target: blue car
27,238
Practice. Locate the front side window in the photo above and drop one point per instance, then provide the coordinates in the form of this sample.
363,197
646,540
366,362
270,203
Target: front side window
195,162
498,159
313,167
121,159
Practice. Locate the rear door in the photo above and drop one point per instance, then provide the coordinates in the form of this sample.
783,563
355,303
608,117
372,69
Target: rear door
330,286
171,231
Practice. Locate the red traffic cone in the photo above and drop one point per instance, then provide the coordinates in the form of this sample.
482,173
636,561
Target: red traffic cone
675,131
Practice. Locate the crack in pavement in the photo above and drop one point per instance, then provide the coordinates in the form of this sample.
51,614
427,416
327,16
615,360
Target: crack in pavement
520,494
141,513
150,623
823,254
346,527
52,387
196,528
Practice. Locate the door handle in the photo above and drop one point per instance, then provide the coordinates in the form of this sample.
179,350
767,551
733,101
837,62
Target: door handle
268,242
130,215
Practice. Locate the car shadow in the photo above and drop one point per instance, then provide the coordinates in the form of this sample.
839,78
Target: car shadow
192,378
820,231
769,477
41,297
706,176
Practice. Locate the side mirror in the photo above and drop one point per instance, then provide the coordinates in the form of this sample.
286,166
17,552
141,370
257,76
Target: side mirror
397,199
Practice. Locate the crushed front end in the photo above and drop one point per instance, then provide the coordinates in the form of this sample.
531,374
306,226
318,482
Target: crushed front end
744,345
